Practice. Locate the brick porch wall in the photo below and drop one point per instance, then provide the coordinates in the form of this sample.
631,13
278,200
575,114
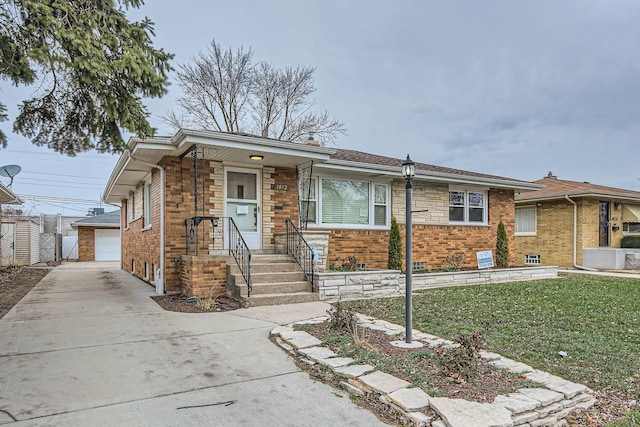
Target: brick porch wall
203,276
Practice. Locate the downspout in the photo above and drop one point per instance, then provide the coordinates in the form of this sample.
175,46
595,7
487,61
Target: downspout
158,274
575,236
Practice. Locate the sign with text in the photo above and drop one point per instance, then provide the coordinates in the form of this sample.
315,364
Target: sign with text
485,259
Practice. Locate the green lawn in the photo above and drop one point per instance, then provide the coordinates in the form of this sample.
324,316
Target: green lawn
595,319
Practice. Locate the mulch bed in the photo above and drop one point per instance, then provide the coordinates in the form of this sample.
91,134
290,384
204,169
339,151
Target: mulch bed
184,304
15,283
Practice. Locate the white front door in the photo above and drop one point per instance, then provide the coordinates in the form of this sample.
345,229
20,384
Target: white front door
242,203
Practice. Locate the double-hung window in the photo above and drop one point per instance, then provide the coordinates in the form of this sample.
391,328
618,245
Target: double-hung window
526,221
345,202
467,206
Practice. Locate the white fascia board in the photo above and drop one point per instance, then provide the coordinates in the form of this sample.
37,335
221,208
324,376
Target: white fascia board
187,138
616,196
431,176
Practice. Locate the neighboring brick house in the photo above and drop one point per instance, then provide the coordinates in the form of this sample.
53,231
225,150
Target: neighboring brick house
566,219
177,193
99,237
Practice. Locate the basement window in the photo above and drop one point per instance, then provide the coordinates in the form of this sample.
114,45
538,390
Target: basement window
530,259
418,266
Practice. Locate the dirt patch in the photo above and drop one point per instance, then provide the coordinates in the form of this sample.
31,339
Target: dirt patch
184,304
15,282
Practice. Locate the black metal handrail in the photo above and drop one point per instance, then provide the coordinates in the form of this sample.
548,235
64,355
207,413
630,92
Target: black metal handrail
241,252
298,247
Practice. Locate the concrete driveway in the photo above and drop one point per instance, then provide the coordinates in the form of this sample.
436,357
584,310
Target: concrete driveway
88,347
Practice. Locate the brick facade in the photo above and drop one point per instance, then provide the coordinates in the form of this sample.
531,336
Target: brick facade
203,276
554,231
86,243
434,239
431,243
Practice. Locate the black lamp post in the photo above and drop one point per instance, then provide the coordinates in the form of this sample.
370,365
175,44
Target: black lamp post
408,172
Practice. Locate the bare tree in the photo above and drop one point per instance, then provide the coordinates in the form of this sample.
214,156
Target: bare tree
227,91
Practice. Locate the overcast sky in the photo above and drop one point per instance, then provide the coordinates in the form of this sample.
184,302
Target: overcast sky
511,88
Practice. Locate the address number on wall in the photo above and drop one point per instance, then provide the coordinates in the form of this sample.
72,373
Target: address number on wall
282,187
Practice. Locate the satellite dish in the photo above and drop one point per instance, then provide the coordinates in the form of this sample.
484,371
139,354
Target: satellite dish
10,171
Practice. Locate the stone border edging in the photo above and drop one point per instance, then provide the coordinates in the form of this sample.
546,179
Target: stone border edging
528,407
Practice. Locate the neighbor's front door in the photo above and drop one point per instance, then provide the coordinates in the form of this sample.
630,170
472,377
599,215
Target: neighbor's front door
242,203
604,224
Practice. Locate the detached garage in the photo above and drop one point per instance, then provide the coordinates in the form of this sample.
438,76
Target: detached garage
99,237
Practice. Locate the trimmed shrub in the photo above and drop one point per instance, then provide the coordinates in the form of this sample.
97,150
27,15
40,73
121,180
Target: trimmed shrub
502,247
395,247
631,242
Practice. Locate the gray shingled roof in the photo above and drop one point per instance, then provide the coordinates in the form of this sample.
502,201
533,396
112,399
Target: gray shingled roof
374,159
105,219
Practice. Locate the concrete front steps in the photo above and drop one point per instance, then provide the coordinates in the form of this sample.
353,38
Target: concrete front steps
277,279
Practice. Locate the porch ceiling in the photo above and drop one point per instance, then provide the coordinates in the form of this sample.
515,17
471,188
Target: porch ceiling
242,156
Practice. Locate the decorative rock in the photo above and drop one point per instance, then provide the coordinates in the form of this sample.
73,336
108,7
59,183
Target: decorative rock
300,339
510,365
314,321
410,399
544,422
419,419
568,388
586,404
462,413
385,383
525,417
278,330
351,389
353,371
335,362
438,424
284,345
490,357
544,396
318,352
517,403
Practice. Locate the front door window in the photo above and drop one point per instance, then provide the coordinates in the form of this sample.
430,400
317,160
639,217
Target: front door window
242,204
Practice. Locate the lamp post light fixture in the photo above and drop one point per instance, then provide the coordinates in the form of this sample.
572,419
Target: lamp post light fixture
408,172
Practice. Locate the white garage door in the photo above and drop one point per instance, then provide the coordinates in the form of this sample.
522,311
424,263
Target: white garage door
107,245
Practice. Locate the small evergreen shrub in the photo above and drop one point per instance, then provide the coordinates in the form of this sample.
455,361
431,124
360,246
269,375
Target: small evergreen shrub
395,247
502,247
631,242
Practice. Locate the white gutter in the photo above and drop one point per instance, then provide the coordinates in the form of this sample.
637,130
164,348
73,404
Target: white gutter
158,274
575,236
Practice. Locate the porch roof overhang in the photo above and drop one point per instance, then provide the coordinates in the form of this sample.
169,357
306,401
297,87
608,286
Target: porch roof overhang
8,197
618,197
136,162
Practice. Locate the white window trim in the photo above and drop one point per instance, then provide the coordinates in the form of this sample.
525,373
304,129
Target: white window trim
535,221
485,207
372,183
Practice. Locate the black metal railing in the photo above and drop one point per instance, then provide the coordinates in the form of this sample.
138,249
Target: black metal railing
298,247
241,252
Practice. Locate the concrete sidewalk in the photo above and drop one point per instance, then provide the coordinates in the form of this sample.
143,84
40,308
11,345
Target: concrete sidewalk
88,347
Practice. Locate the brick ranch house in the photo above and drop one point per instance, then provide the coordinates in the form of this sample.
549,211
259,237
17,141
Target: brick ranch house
570,223
183,197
